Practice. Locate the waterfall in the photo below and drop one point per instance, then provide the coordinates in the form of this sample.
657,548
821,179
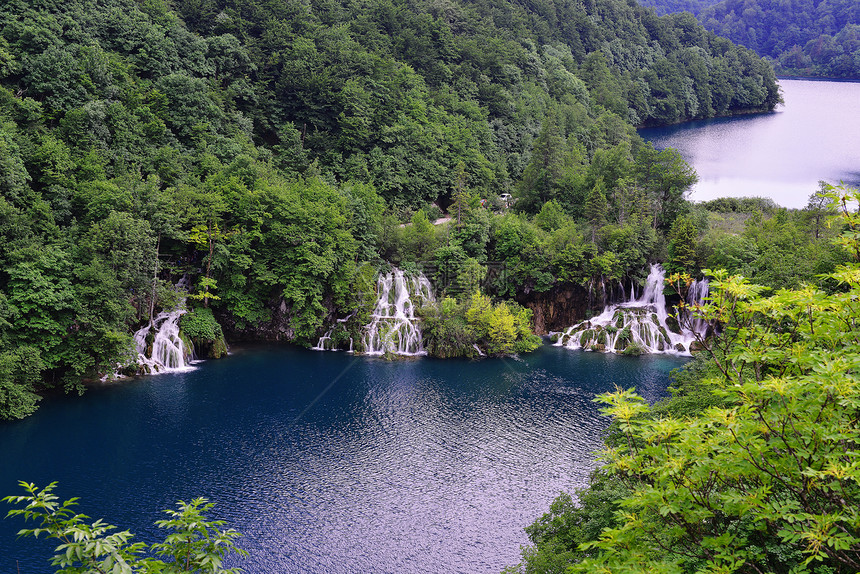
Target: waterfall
638,325
394,327
325,342
168,351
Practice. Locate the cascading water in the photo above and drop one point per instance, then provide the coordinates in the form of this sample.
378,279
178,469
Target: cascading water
168,350
325,342
639,325
394,328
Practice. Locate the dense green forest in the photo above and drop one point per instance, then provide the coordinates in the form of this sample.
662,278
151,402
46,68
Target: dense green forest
750,465
277,155
800,37
804,38
664,7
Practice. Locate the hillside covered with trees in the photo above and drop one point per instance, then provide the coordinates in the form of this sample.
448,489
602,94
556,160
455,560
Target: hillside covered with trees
277,154
818,38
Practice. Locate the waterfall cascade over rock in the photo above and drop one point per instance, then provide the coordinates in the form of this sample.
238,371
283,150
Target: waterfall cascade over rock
394,328
325,342
639,325
168,352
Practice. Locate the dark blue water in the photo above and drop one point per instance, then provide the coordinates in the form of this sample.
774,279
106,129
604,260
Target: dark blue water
782,155
329,463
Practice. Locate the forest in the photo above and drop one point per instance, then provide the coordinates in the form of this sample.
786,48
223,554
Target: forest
806,38
277,155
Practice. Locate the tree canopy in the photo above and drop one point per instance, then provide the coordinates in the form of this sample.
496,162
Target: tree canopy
801,37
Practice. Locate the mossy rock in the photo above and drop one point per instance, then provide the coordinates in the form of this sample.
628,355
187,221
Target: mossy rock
219,349
645,335
634,350
601,337
554,337
188,343
131,370
696,346
672,325
199,330
655,319
598,347
680,348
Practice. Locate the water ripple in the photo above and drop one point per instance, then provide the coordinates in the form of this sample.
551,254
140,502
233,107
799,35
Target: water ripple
407,467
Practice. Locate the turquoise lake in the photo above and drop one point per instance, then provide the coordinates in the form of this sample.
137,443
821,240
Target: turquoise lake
330,463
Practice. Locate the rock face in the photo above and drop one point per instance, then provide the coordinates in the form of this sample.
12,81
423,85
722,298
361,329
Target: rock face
558,308
277,328
569,303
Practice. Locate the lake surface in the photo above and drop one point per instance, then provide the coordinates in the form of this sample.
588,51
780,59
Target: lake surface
330,463
782,155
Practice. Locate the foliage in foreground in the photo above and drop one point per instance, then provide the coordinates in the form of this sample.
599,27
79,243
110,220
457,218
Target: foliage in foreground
193,543
763,479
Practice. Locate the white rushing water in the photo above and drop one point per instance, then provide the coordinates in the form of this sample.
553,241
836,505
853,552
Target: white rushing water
394,328
325,342
168,350
640,325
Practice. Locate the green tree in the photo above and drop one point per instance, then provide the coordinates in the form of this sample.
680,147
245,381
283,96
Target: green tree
551,216
596,208
20,376
206,234
666,178
819,207
683,242
542,175
194,543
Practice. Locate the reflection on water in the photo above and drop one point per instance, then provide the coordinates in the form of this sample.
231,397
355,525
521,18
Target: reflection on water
782,155
399,466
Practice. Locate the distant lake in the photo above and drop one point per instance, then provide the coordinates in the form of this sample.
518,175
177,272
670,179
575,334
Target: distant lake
329,463
782,155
